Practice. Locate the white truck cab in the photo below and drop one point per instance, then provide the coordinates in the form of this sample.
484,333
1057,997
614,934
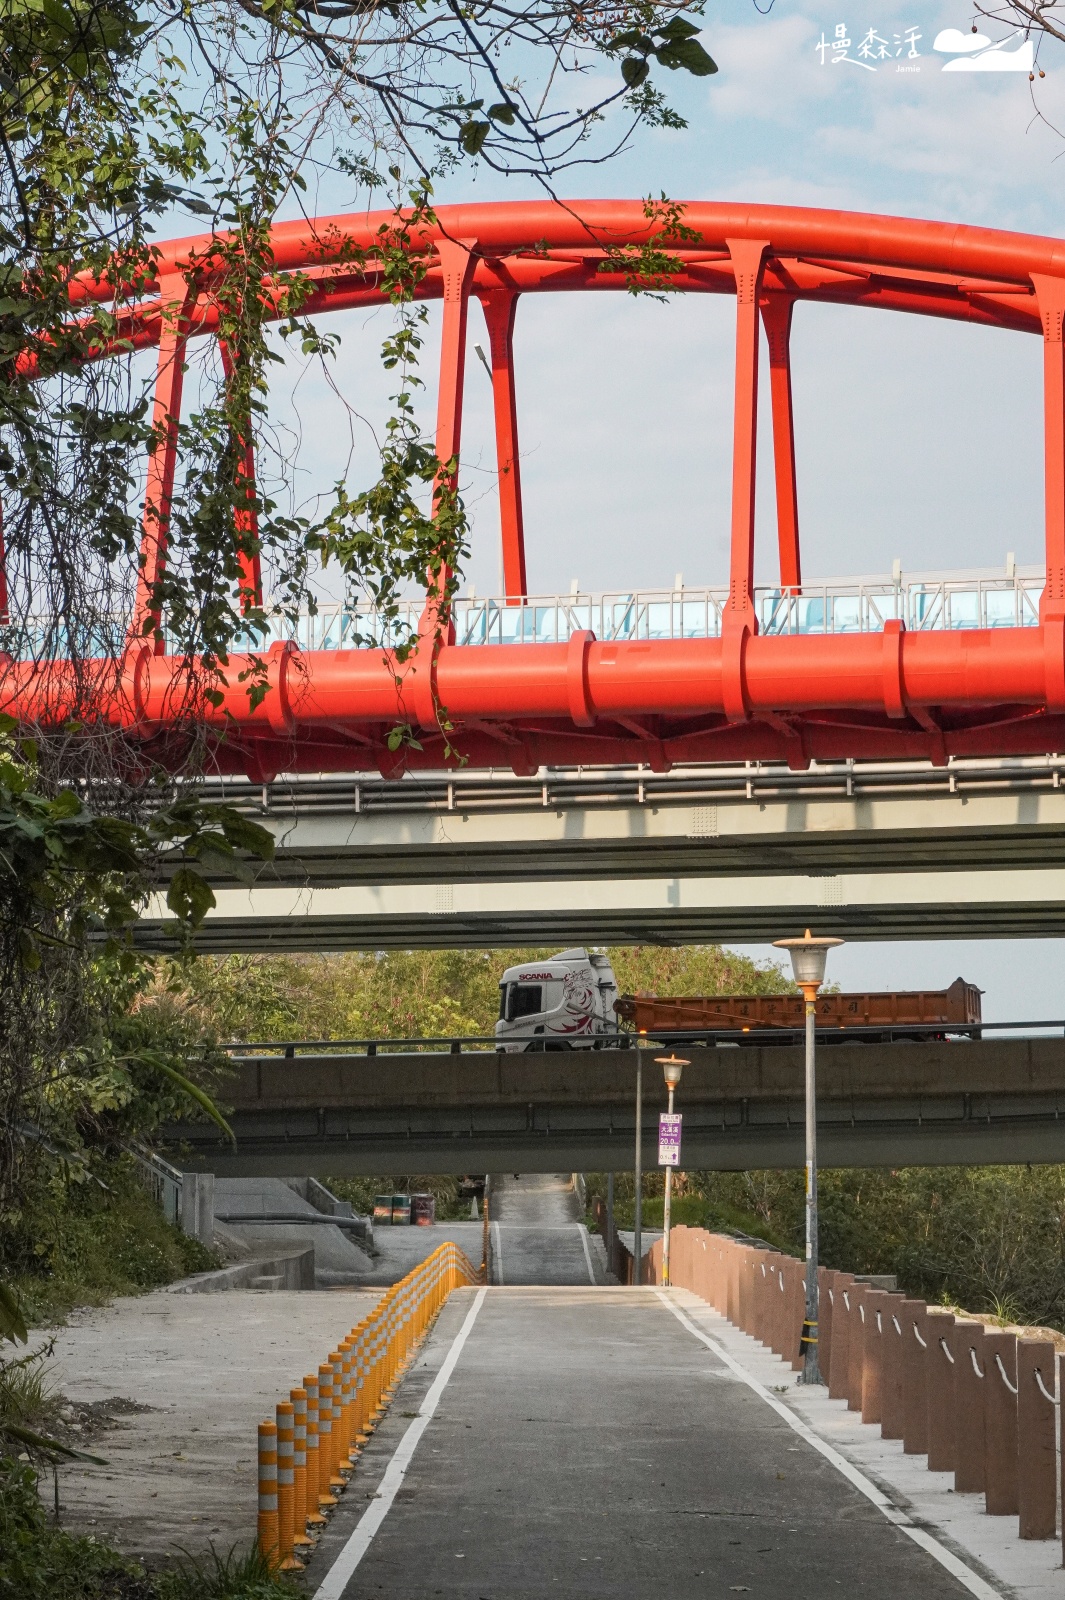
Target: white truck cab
567,1002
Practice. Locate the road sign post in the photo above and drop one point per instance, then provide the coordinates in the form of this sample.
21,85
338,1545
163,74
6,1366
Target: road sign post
669,1123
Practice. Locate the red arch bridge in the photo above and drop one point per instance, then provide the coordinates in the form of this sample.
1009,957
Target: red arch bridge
786,674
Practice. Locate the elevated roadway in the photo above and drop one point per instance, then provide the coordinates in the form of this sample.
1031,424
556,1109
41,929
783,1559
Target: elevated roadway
739,852
960,1102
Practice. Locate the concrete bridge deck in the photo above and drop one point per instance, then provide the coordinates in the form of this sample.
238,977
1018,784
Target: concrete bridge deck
990,1100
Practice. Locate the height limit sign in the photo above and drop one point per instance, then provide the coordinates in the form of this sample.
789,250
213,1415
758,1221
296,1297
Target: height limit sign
669,1139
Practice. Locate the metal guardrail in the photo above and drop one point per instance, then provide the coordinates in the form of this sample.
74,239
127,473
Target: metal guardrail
163,1182
922,602
880,1033
842,606
562,788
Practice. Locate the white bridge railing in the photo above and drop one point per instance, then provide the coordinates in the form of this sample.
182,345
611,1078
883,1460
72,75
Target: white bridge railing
843,607
951,601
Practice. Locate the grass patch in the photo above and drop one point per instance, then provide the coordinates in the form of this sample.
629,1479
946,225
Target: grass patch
38,1561
80,1244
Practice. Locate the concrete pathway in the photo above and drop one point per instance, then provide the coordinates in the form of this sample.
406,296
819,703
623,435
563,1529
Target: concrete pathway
587,1444
536,1235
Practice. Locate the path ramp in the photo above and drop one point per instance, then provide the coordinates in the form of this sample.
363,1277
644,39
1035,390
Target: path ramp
537,1235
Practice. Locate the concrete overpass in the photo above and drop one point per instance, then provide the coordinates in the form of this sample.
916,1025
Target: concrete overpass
739,852
958,1102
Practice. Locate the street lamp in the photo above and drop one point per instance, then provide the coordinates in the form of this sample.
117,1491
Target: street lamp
672,1067
808,957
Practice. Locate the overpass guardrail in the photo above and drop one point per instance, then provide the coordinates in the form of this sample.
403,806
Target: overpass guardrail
482,1043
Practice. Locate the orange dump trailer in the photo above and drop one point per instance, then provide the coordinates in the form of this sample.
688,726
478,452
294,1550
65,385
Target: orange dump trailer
921,1012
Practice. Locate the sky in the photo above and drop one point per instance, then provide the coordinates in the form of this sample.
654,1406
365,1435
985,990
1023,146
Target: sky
916,440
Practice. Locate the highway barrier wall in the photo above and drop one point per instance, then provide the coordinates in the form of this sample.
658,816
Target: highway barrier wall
308,1452
977,1399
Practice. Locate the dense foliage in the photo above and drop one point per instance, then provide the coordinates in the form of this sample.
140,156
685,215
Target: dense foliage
403,994
989,1239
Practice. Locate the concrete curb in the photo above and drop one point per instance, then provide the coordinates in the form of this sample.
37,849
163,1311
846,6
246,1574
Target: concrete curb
293,1269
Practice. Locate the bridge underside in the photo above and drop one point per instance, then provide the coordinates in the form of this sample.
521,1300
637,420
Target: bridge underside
673,911
979,1103
736,853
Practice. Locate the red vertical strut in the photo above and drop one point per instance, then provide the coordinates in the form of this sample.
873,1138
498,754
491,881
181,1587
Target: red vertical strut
738,622
175,300
457,261
499,307
776,315
245,518
1050,292
1051,296
436,626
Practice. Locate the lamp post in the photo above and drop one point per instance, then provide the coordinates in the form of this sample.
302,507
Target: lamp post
672,1067
637,1241
808,957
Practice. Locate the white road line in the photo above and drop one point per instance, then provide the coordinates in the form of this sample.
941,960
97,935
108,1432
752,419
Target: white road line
970,1580
339,1575
497,1256
583,1231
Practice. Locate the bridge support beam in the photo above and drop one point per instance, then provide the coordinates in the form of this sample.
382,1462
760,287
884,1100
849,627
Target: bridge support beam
245,519
176,299
738,622
776,316
499,307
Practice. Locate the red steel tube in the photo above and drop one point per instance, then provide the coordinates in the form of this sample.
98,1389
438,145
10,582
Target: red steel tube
680,677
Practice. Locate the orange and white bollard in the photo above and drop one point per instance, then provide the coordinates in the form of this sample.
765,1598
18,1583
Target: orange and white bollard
315,1502
341,1398
330,1480
300,1539
268,1529
286,1485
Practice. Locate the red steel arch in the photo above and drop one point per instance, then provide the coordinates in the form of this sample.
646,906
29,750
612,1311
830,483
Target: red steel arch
742,695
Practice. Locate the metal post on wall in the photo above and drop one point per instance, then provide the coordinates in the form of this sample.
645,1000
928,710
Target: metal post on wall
610,1217
808,957
637,1243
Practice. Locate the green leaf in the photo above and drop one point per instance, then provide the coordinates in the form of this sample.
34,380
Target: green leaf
634,70
504,112
244,834
472,136
676,29
40,1441
190,896
689,55
12,1322
194,1092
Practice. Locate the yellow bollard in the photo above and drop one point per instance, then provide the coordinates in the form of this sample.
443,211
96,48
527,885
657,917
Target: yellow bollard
286,1484
299,1468
268,1530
